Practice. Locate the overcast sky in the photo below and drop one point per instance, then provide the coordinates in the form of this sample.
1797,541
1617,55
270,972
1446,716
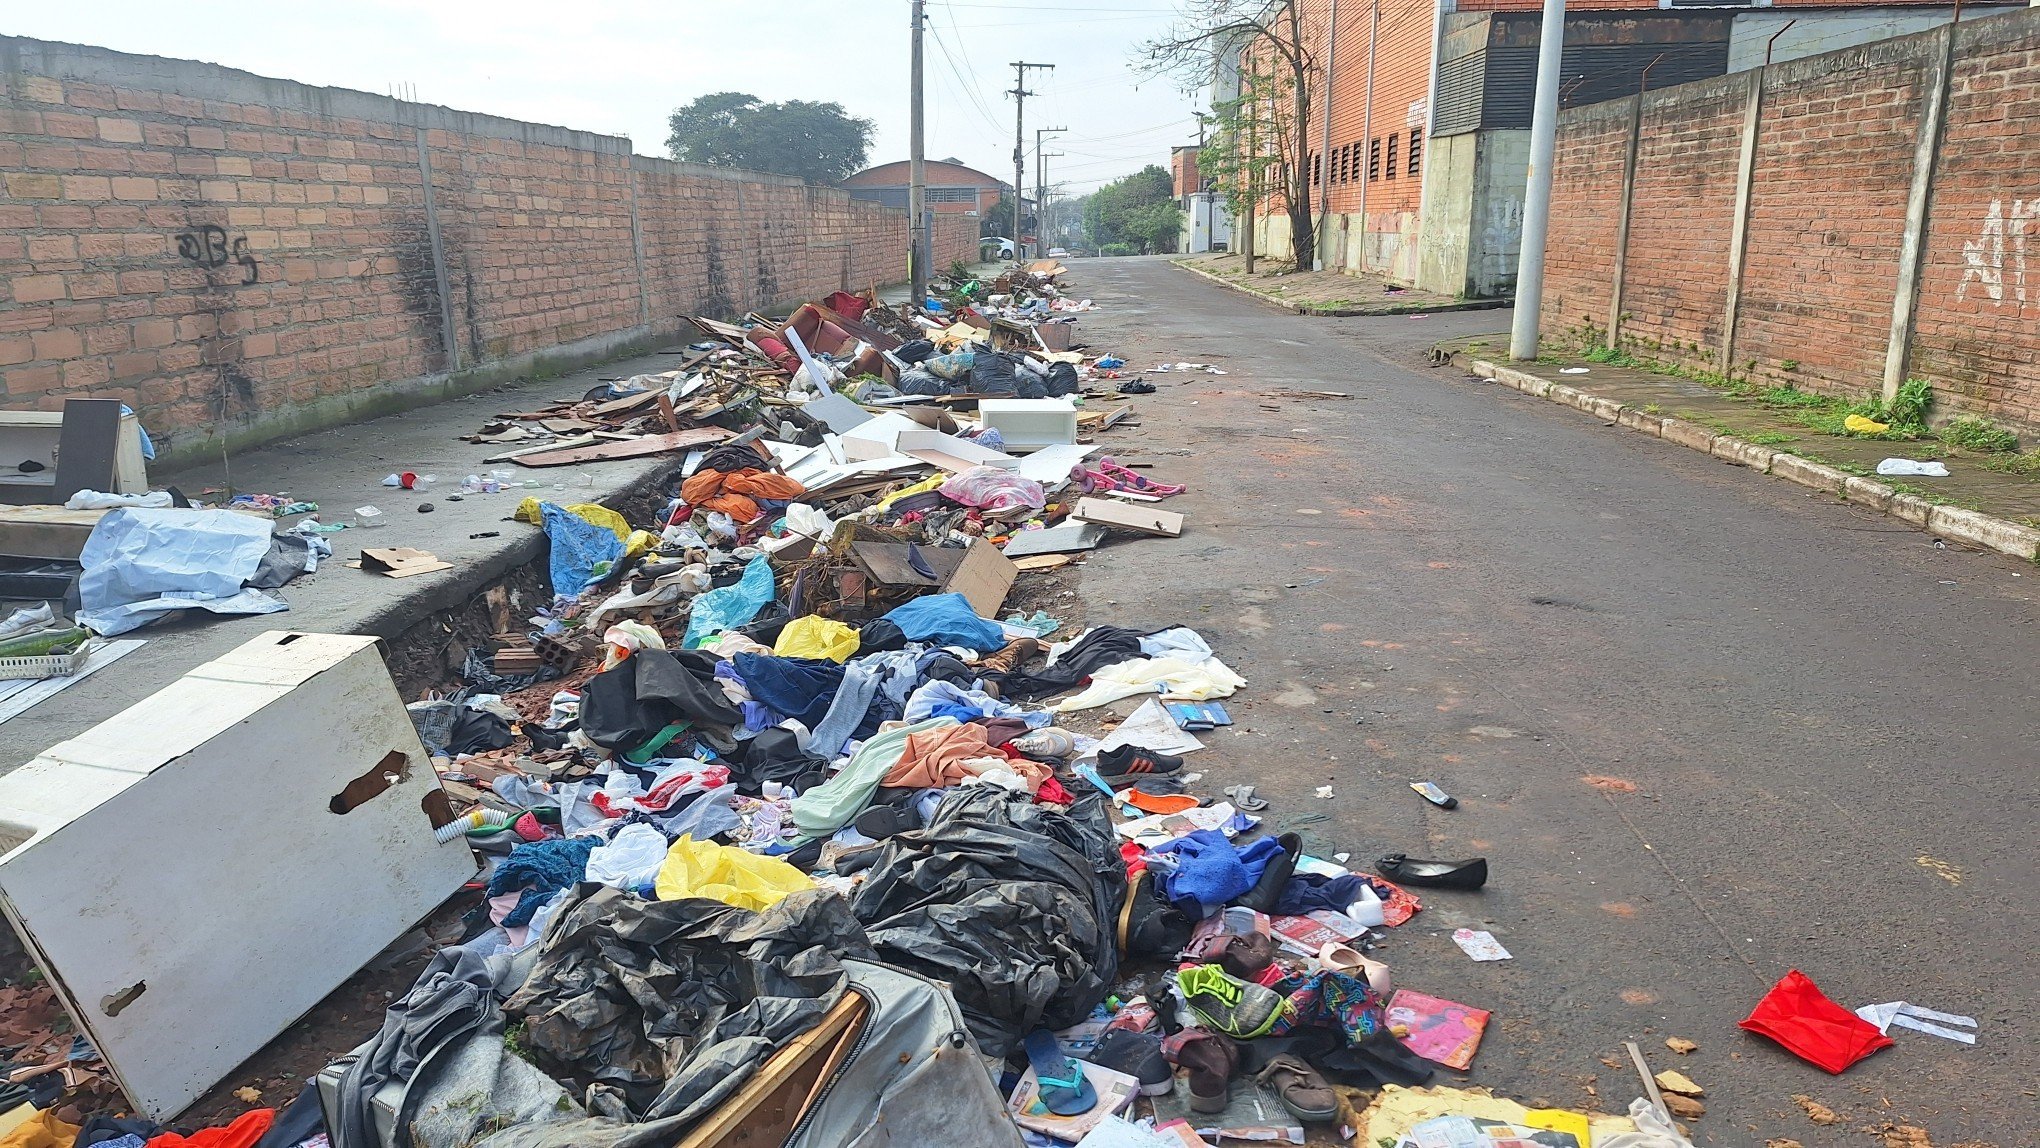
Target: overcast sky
620,66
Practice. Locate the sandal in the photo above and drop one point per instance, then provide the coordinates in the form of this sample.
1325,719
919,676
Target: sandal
1059,1080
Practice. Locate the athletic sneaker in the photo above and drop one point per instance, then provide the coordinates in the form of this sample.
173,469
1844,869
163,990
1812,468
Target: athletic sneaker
1230,1006
1129,760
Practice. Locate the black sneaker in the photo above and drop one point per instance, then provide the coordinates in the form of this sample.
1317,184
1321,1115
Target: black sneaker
1133,761
1137,1054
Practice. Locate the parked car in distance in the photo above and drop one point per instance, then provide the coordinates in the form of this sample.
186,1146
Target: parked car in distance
1058,253
1005,246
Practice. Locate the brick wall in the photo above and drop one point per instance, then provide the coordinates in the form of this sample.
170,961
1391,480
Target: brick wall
1834,169
243,258
1586,171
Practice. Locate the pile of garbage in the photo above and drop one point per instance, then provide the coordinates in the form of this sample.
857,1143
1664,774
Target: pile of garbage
792,832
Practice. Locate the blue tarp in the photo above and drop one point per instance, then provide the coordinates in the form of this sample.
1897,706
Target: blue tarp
731,606
582,552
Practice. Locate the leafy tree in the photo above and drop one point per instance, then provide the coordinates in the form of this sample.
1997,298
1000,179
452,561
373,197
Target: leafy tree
1263,142
998,221
1137,211
820,143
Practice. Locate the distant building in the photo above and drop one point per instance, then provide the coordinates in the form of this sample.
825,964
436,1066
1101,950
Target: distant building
1423,182
1207,221
953,189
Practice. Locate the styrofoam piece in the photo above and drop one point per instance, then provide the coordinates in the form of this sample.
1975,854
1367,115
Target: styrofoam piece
878,437
1050,466
179,871
1029,424
928,441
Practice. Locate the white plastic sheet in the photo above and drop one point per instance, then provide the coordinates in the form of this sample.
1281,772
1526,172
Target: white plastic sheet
141,563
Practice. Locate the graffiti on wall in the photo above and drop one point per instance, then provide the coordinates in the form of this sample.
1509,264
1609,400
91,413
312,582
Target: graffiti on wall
1996,258
209,246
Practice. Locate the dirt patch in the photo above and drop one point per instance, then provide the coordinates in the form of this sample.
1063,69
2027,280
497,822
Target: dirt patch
1609,784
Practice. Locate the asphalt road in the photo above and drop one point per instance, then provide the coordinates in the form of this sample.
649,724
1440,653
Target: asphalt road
1707,726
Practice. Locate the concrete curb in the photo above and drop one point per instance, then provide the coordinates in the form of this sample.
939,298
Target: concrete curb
1346,312
1953,523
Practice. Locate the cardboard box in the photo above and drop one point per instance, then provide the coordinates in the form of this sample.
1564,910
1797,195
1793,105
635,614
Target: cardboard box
197,871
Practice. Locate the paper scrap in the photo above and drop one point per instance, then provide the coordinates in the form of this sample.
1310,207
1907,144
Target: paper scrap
1480,945
1151,728
1918,1018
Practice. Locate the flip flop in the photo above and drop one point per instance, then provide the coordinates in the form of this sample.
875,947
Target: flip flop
1159,802
1059,1080
1244,800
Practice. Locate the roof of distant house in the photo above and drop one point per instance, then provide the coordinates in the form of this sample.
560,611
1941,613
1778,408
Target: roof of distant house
940,172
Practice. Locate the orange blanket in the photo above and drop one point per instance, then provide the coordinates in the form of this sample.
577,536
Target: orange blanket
732,493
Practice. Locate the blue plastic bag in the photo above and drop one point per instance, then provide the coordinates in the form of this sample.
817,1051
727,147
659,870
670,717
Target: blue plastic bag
731,606
582,552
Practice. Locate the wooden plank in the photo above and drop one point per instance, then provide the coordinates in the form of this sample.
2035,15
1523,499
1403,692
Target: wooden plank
638,447
542,448
769,1104
45,531
1143,519
1042,561
628,404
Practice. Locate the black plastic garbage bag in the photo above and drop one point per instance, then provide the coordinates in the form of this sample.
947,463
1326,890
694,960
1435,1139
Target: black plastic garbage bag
914,351
1013,904
1062,380
622,708
661,1009
773,755
993,373
915,381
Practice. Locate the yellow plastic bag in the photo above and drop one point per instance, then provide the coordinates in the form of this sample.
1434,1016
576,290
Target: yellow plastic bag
1857,424
816,637
727,874
593,513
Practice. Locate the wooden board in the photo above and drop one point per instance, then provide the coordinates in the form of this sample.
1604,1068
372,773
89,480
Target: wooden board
1143,519
980,573
543,448
1042,561
638,447
764,1111
984,578
45,531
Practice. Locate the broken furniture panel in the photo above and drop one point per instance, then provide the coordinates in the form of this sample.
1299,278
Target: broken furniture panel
195,872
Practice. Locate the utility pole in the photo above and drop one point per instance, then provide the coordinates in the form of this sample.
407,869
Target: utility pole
1041,185
1020,94
1324,172
1537,196
1253,173
917,177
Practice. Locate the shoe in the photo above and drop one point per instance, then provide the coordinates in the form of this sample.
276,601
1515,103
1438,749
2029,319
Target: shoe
1338,958
1246,955
1468,874
1267,892
1132,760
1137,1054
1059,1080
1012,656
882,821
1209,1060
1301,1088
1047,743
1230,1006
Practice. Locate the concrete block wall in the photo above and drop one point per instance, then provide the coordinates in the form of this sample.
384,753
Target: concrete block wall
1837,202
242,258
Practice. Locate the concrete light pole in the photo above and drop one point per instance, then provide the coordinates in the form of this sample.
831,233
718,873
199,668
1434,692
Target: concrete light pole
1020,94
917,176
1537,196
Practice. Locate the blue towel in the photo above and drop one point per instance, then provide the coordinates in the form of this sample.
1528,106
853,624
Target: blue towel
540,869
1209,872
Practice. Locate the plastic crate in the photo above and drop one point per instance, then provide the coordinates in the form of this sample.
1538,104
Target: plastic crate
47,665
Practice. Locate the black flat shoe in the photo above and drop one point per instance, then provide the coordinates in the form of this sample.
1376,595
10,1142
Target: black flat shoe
1468,874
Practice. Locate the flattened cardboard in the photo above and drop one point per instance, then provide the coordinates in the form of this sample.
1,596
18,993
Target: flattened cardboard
1143,519
399,562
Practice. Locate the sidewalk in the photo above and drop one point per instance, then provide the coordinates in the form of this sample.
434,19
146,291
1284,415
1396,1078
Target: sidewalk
1327,293
341,469
1989,499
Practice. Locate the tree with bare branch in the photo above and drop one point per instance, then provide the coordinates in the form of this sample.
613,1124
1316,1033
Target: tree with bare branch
1263,135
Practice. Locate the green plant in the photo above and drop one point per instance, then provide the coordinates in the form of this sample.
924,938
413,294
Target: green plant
1789,365
1979,435
1789,396
1907,410
1773,438
1653,409
2027,464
